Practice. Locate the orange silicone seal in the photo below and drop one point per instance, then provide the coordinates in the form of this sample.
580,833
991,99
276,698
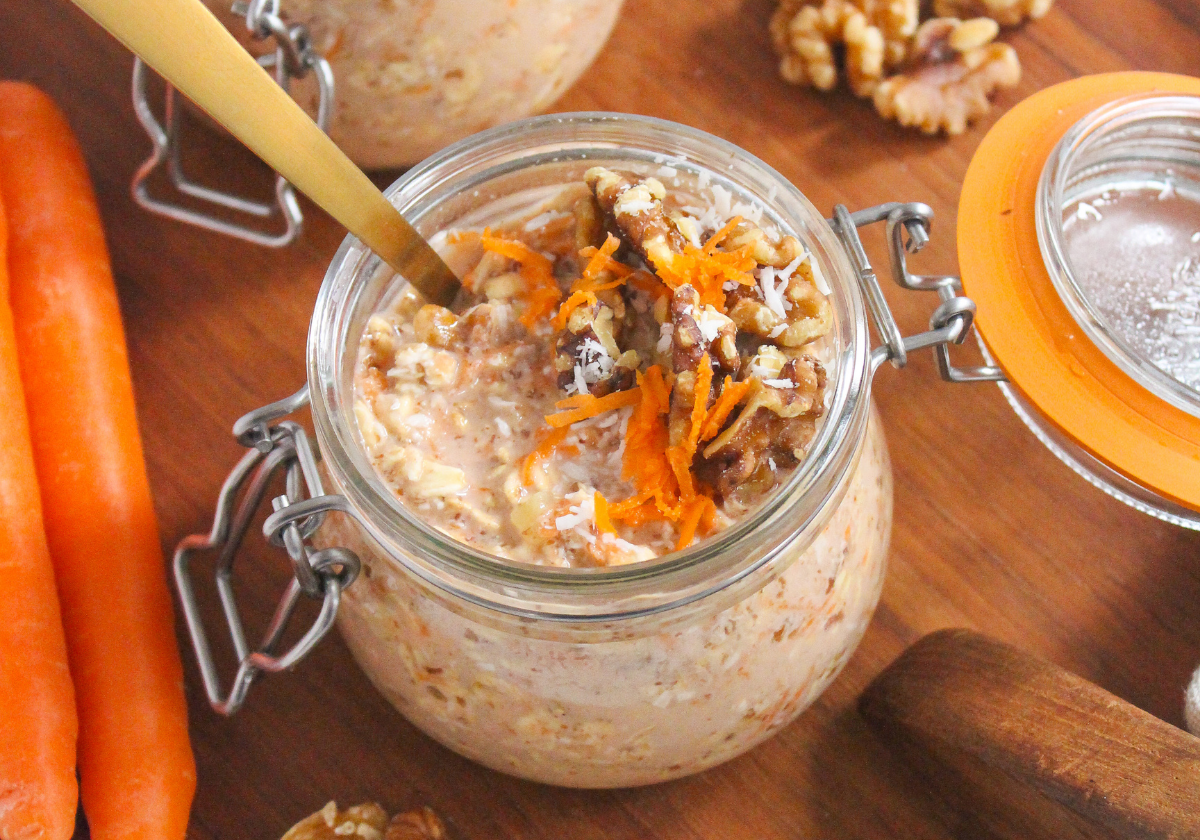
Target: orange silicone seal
1026,326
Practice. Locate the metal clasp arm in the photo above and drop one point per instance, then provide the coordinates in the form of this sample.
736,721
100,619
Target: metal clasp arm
323,574
908,227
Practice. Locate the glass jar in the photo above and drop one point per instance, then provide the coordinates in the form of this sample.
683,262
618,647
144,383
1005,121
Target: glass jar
412,77
593,677
1084,255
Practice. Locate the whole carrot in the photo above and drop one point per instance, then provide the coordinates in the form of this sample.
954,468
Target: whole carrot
135,761
38,792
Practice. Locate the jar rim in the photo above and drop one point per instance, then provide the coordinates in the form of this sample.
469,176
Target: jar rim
715,564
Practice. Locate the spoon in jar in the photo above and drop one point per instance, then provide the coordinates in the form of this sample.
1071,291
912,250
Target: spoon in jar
188,46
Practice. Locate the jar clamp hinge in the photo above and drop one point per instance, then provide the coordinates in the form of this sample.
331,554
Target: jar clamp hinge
907,233
274,448
293,58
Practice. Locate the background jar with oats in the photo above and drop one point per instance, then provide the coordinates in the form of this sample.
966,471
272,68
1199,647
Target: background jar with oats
412,76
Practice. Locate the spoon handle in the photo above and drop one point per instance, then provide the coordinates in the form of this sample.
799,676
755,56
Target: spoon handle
188,46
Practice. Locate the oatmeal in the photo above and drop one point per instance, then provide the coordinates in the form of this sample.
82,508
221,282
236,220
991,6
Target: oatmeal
648,361
641,369
414,76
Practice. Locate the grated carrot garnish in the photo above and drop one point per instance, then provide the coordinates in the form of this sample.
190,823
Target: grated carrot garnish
541,290
681,465
601,259
692,516
717,238
649,283
593,407
732,393
704,378
549,441
708,272
603,523
572,303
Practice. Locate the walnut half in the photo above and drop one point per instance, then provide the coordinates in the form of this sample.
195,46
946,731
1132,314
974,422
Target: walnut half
873,34
954,68
367,822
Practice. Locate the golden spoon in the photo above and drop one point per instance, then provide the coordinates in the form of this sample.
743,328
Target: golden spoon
188,46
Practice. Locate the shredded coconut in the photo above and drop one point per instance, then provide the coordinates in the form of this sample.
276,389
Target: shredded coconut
779,383
504,428
772,293
664,337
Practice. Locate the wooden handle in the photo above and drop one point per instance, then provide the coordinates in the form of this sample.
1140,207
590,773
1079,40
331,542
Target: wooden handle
1020,748
188,46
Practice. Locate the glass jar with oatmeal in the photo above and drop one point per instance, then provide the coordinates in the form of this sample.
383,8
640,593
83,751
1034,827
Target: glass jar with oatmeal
546,587
412,77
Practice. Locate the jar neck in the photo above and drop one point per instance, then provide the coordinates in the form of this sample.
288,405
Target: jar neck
487,167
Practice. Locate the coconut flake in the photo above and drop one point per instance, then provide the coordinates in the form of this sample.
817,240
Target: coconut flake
779,383
664,337
503,426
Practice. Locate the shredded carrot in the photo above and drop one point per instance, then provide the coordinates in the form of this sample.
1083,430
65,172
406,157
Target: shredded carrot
681,464
692,516
603,523
550,440
717,238
572,303
541,293
704,378
732,393
648,283
593,407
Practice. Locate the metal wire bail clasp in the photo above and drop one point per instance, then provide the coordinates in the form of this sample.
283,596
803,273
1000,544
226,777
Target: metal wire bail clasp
293,58
274,448
907,233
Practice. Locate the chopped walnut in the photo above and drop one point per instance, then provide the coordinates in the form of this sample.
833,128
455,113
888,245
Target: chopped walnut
588,358
1004,12
954,69
800,315
636,211
772,431
873,33
358,822
765,250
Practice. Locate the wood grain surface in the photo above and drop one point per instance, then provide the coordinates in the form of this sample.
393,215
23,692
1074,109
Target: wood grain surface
991,531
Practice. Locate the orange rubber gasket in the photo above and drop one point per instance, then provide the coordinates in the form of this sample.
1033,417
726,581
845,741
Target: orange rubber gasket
1025,324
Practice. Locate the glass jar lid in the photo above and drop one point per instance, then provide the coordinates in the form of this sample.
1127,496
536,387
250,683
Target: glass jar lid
1082,250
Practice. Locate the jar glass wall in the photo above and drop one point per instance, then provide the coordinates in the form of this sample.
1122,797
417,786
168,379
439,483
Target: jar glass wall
611,676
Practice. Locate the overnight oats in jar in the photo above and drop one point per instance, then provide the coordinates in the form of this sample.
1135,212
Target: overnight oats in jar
622,513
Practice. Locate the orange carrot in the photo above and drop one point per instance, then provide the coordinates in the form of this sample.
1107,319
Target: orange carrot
603,523
731,394
541,291
694,513
38,727
576,300
593,407
549,441
136,766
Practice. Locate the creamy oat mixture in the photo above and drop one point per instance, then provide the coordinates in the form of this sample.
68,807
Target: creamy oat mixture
638,368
